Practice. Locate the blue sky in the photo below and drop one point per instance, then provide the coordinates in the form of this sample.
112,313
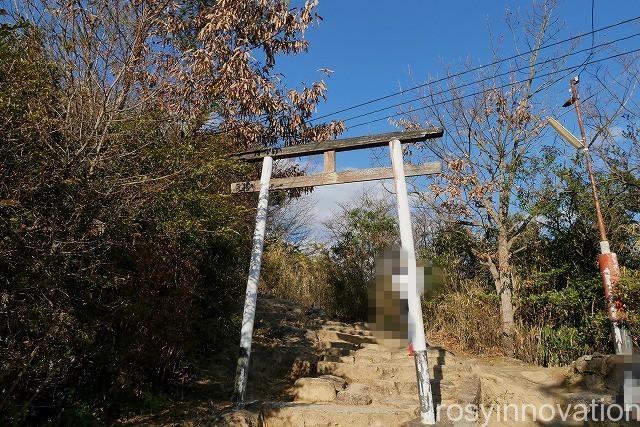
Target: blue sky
378,47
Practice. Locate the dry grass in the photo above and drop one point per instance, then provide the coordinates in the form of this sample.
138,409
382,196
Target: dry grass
467,321
292,275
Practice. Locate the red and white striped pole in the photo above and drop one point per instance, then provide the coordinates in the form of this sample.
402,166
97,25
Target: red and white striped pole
607,260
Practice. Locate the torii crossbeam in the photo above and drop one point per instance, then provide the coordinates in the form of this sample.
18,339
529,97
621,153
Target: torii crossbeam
398,171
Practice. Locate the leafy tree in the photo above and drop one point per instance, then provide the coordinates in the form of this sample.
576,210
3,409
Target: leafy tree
210,60
623,160
452,249
360,232
569,228
495,139
487,151
105,291
123,256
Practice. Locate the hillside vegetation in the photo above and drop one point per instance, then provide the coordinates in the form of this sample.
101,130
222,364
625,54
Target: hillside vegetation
123,257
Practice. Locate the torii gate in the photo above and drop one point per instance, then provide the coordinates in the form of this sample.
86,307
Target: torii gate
398,171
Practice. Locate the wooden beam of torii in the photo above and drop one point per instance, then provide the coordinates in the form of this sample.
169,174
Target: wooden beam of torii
329,148
346,144
398,171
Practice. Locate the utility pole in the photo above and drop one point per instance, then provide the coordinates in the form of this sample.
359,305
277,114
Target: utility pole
607,260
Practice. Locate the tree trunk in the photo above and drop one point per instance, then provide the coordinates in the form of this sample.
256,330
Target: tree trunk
502,280
506,315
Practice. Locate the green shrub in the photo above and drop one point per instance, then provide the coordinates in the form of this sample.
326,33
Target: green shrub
362,231
561,346
629,289
109,282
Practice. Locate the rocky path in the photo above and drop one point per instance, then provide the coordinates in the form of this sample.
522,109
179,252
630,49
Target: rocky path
307,370
361,383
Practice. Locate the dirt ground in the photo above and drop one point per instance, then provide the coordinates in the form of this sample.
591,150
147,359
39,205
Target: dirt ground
291,342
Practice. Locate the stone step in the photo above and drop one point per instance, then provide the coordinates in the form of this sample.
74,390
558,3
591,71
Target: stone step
358,326
335,352
409,388
395,388
368,359
367,373
332,414
377,353
354,332
586,397
339,344
325,335
370,352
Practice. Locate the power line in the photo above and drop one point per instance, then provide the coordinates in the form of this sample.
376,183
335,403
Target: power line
572,68
593,3
399,104
616,24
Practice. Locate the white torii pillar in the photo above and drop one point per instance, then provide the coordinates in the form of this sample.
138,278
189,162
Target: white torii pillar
416,326
251,298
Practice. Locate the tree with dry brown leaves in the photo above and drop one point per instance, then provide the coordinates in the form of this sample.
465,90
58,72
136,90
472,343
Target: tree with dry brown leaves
495,149
491,139
186,59
123,256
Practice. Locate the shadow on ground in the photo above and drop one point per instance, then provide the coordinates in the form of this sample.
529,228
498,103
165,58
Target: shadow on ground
283,351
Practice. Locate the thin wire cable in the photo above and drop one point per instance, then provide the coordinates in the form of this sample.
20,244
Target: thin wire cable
616,24
593,2
399,104
572,68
